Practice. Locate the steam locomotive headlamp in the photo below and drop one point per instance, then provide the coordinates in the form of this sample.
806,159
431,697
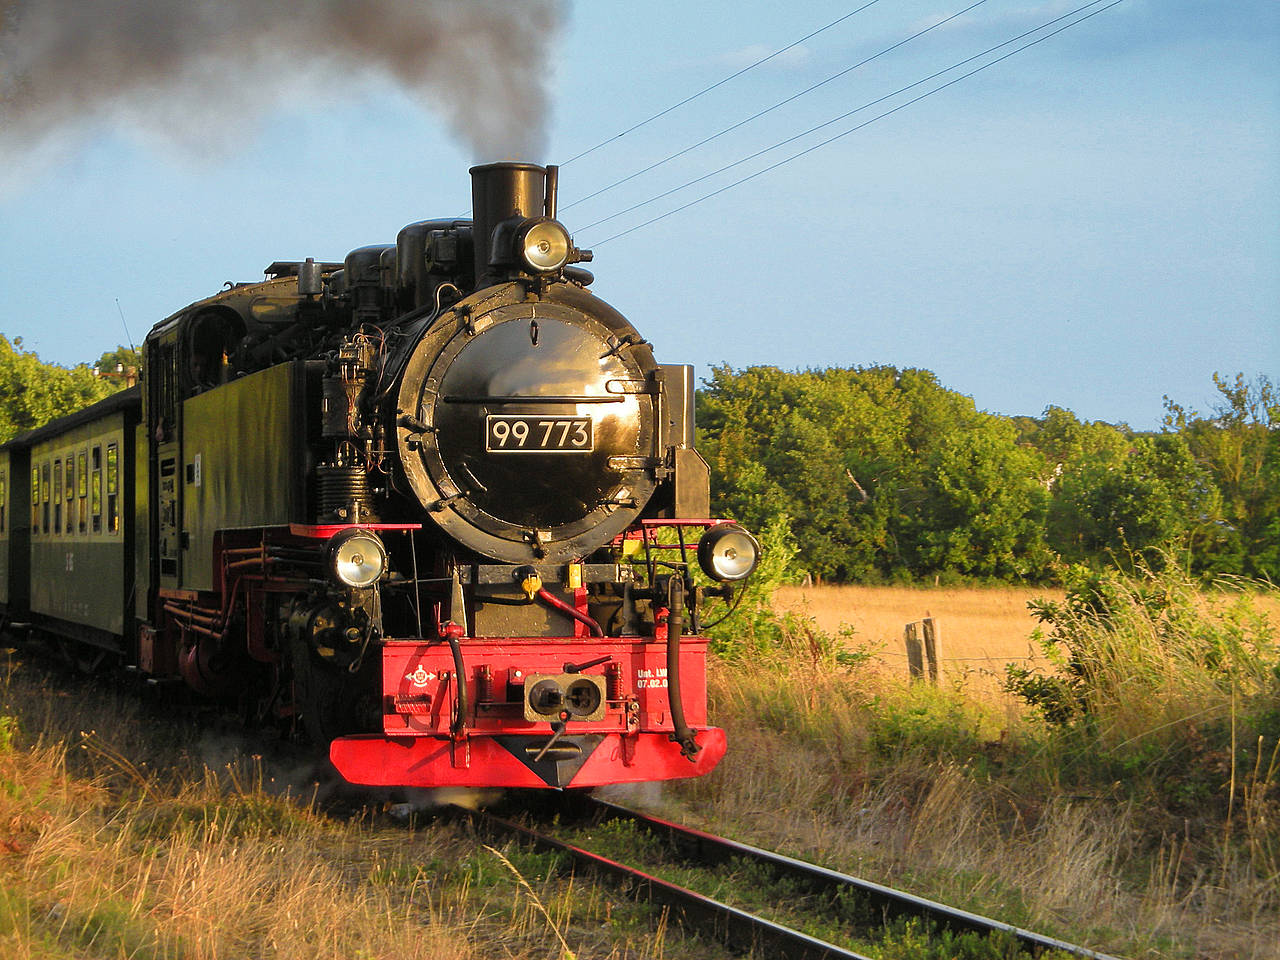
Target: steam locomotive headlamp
543,245
728,553
357,558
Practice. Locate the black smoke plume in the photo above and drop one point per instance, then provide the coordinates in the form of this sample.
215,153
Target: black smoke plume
202,72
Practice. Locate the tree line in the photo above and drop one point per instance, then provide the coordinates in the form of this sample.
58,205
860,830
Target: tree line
33,392
886,475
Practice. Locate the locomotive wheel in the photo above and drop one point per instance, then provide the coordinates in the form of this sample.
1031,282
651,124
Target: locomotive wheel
330,700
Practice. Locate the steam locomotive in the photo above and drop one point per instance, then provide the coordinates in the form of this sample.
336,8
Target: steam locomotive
436,505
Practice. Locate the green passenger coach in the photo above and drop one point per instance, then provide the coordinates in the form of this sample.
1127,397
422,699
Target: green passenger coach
68,522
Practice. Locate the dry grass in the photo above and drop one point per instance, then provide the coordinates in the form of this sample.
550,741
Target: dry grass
958,793
981,623
155,838
191,875
1073,866
981,628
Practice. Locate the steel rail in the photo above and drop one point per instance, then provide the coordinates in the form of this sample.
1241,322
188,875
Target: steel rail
708,848
693,911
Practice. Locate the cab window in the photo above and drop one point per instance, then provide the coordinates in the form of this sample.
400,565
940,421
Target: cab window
162,377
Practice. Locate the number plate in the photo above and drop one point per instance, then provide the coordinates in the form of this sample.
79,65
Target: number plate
506,434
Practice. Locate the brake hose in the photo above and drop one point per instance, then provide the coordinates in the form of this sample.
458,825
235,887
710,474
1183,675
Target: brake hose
681,732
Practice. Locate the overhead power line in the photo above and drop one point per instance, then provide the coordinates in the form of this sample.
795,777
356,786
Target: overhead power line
853,129
780,103
718,83
843,116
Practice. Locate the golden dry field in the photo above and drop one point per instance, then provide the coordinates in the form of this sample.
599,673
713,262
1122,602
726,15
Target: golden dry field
980,629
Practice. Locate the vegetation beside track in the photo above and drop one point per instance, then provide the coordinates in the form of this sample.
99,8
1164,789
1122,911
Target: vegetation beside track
120,842
1128,799
132,832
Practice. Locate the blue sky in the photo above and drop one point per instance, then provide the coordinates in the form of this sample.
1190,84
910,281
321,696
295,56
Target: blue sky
1092,223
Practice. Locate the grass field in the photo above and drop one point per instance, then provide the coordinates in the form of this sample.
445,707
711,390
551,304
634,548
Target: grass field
129,832
1148,830
1141,822
980,628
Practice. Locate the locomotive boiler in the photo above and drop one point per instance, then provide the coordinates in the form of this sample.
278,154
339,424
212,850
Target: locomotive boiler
437,504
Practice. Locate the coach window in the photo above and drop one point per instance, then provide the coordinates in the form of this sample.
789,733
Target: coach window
70,497
113,488
82,488
4,498
35,499
44,496
95,490
57,496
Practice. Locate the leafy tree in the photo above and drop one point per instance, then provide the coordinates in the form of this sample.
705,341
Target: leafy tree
1065,441
1142,506
33,392
883,472
1239,446
775,459
984,509
115,364
887,474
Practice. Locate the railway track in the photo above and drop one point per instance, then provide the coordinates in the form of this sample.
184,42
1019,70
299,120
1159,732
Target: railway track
739,929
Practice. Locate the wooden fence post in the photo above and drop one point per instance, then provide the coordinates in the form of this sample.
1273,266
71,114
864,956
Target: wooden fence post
915,660
932,650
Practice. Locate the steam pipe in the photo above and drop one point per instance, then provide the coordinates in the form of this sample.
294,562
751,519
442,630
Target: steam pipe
251,562
452,633
552,600
553,187
203,630
190,614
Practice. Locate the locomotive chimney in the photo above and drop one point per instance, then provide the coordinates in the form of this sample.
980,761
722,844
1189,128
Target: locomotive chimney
500,191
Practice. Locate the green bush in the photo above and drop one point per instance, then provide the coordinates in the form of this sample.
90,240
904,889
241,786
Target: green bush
1161,685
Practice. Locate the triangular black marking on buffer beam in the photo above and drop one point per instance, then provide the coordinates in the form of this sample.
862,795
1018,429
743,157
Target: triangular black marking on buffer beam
554,772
